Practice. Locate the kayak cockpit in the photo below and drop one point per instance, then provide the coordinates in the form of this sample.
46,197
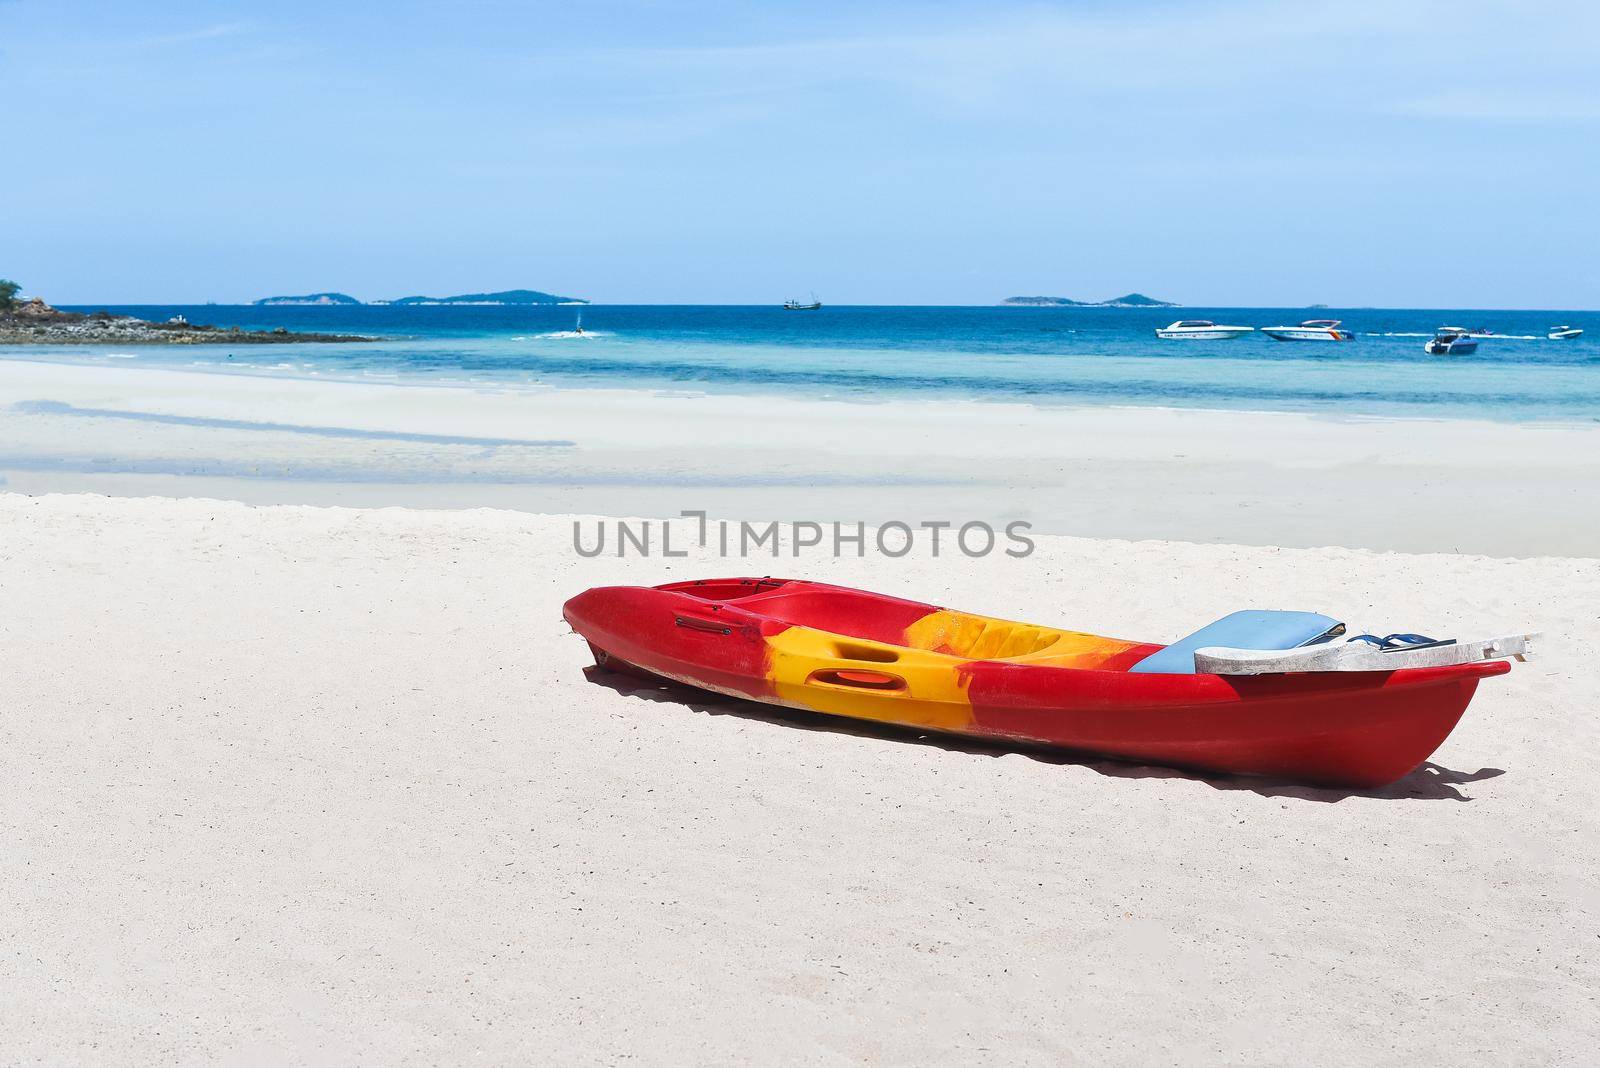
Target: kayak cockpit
915,626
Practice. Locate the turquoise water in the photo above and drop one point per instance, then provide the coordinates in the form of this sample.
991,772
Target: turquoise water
1056,356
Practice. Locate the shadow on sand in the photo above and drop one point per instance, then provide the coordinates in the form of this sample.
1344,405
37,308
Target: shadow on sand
1430,782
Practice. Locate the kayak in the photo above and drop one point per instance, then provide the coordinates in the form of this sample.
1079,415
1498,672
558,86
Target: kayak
869,656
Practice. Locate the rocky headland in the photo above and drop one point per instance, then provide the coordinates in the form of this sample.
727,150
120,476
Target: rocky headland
34,322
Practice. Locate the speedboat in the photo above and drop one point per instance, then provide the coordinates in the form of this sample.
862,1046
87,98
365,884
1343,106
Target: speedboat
1201,330
1565,333
1451,341
1310,330
1285,694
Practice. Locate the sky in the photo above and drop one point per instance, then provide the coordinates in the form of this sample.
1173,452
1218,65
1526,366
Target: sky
1399,153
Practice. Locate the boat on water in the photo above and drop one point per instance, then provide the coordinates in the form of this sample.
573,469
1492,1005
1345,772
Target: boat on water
1201,330
1451,341
1310,330
1564,333
1284,694
795,305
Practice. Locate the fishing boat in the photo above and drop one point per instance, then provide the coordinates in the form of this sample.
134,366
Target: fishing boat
1564,333
1451,341
1310,330
1201,330
794,305
1283,694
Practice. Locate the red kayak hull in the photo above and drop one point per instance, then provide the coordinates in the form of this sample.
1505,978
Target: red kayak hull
869,656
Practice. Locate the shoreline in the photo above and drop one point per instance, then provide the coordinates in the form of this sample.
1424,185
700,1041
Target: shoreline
481,386
1503,489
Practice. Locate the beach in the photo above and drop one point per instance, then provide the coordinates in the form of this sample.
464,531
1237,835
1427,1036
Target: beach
302,763
333,785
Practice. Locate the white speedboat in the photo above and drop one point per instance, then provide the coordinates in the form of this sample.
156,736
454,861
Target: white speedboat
1451,341
1565,333
1201,330
1310,330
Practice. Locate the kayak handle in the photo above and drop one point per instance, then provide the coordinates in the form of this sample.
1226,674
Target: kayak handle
858,679
707,626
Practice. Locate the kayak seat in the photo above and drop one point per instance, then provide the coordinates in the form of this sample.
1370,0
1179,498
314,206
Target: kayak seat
1250,629
979,638
973,637
904,623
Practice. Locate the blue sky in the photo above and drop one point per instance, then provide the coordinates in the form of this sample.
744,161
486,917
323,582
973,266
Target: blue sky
1398,153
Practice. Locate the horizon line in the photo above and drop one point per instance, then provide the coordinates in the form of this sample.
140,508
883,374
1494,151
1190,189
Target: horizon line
839,304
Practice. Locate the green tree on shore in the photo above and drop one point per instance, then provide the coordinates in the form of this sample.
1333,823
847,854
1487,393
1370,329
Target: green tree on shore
8,294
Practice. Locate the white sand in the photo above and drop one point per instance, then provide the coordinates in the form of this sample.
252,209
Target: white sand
290,784
1239,477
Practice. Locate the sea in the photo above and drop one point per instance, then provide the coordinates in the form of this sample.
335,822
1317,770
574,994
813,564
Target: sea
1037,355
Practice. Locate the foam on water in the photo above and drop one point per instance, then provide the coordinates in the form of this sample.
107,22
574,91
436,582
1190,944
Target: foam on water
1481,337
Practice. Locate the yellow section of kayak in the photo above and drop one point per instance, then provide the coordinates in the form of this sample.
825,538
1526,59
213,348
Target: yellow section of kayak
984,638
919,683
868,680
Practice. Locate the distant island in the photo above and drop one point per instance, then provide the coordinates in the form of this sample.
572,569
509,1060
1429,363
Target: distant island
507,296
1132,300
310,298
